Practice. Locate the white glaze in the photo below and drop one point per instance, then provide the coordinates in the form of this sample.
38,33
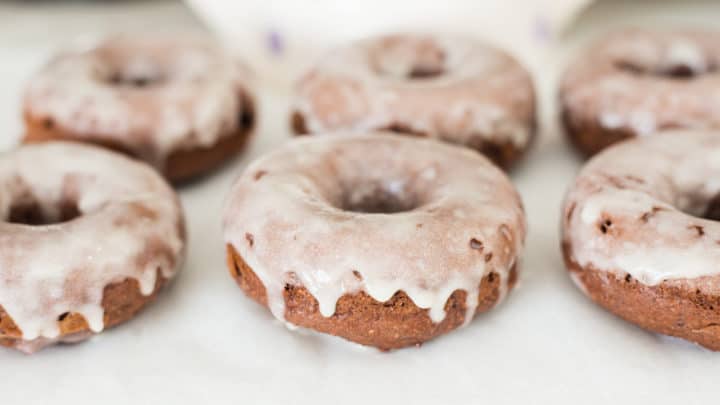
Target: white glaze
196,102
596,89
287,202
483,93
685,52
649,189
130,227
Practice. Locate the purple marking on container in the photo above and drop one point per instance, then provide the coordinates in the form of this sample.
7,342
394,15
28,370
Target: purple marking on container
275,42
541,28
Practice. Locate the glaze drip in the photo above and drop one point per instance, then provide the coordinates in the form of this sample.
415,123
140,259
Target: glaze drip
127,223
300,234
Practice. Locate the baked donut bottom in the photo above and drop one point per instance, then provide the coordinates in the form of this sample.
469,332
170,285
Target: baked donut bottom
673,308
182,165
503,154
393,324
589,137
121,302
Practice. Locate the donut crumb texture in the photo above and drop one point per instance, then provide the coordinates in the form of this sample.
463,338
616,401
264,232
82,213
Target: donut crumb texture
182,165
360,318
674,308
504,154
121,302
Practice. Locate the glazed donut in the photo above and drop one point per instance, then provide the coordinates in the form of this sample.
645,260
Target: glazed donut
181,104
634,83
87,238
382,240
455,89
640,235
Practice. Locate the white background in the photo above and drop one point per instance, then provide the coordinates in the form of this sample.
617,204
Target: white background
204,342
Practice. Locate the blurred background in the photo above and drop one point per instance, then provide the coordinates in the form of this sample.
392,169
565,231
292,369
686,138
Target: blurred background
281,37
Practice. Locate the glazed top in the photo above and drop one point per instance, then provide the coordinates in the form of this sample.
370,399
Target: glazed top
129,226
642,81
450,87
639,208
151,95
375,213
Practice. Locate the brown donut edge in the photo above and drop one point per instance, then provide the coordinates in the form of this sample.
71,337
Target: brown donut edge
121,302
182,165
503,154
587,136
673,308
393,324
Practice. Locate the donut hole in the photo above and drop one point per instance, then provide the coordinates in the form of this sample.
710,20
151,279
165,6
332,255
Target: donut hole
695,205
378,197
425,71
32,213
409,59
370,177
246,117
135,80
712,211
671,70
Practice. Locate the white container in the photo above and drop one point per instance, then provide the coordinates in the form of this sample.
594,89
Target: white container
296,31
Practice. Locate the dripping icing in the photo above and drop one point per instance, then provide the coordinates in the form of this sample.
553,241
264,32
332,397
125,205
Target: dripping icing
41,279
323,247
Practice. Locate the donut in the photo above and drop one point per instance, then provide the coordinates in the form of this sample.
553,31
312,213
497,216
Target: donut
87,238
635,82
382,240
641,237
452,88
181,104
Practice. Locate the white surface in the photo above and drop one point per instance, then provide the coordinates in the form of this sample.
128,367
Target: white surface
203,340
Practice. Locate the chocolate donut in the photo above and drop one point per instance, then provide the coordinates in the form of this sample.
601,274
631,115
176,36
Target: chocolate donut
634,83
383,240
181,104
641,237
455,89
87,238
